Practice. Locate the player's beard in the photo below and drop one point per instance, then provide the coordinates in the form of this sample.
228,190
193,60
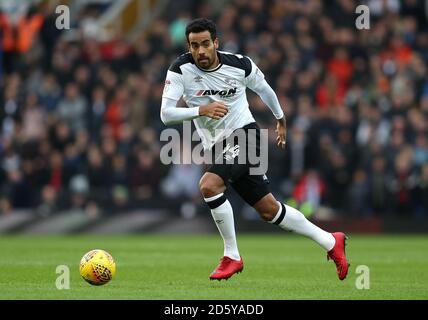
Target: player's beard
207,63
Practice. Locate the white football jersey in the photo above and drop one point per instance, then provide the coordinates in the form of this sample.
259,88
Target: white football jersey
226,83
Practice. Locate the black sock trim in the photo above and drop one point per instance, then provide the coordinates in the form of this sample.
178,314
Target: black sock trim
217,202
281,216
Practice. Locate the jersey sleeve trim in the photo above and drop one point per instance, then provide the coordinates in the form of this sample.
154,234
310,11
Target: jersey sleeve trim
241,62
183,59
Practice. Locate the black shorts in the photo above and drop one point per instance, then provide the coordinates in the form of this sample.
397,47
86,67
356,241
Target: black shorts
235,170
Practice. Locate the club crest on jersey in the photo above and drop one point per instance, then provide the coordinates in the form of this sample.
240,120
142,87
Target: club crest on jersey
230,81
221,93
198,79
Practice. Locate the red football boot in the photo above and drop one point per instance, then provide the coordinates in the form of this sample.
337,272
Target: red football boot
337,254
227,268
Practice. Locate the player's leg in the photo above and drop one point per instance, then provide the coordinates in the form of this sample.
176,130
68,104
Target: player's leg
212,188
291,219
254,190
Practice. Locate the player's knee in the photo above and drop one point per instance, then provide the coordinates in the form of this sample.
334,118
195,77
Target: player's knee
208,189
267,215
267,208
210,186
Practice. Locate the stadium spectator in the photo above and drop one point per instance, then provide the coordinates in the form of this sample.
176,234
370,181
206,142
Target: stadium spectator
49,93
144,175
72,108
379,197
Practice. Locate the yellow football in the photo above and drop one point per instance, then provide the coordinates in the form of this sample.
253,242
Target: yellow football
97,267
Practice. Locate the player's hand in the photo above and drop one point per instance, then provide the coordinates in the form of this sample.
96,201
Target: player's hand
215,110
281,130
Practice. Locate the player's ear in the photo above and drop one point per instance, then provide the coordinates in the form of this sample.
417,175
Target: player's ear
216,43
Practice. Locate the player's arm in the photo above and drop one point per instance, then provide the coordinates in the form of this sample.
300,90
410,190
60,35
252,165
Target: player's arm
281,130
173,90
170,114
268,96
259,85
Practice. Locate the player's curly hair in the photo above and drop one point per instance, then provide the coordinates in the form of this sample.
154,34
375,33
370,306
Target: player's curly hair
200,25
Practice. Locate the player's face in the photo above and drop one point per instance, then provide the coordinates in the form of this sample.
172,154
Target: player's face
203,49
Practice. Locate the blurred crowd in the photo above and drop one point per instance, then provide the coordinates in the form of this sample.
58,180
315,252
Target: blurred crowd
80,121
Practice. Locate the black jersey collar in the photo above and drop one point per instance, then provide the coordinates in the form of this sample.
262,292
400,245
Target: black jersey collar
212,70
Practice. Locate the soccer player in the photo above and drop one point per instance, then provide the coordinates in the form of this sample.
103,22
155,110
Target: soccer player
213,84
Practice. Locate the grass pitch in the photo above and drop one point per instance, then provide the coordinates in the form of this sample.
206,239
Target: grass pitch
177,267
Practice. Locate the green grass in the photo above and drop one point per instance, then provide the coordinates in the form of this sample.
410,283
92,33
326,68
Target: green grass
177,267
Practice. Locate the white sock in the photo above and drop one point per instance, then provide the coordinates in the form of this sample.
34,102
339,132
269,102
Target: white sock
293,220
222,213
